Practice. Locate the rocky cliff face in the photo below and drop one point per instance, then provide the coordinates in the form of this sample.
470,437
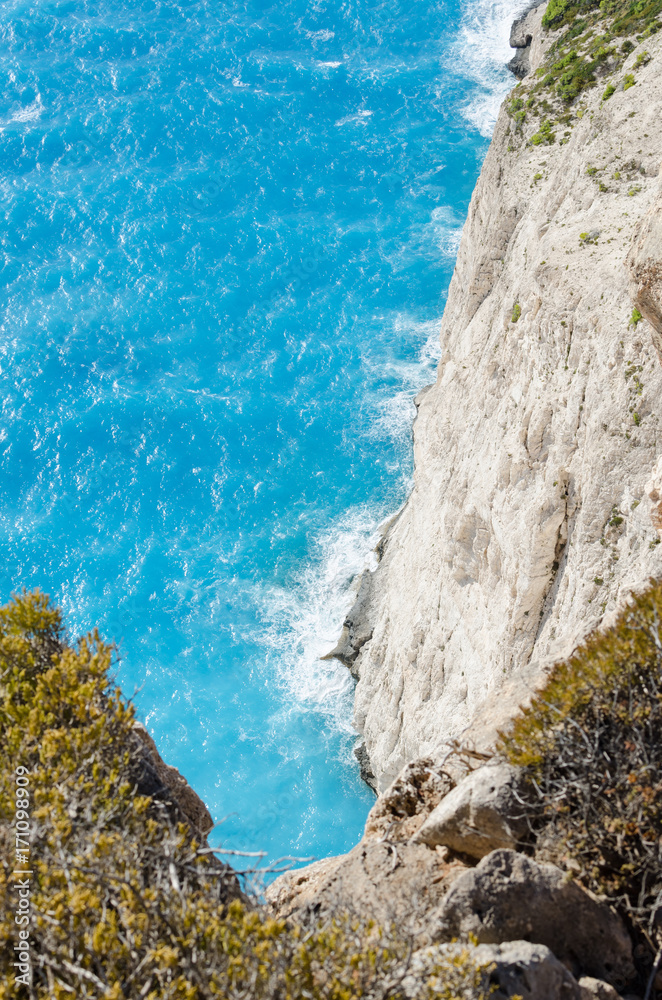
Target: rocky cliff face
530,520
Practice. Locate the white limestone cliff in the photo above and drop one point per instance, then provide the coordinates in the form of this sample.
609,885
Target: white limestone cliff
537,448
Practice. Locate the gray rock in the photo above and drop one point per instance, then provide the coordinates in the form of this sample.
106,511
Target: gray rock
485,811
516,968
520,31
508,897
520,64
521,37
361,754
596,989
357,627
391,883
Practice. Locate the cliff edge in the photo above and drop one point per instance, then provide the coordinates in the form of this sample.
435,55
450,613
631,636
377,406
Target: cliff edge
535,507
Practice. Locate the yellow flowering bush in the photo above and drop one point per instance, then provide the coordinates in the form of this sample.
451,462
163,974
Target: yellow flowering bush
125,901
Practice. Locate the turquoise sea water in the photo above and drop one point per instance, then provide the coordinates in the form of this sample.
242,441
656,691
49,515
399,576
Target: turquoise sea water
227,231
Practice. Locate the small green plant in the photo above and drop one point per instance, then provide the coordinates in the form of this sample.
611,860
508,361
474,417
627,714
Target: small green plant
608,91
544,135
591,171
598,581
536,178
616,175
635,318
583,237
635,189
636,418
642,60
557,12
628,81
517,312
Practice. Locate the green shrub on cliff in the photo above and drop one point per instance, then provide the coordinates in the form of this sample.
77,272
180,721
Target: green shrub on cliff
126,902
592,744
588,46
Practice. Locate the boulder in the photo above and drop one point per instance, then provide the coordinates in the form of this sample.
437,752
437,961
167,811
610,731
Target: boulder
516,968
357,627
508,897
484,812
407,802
596,989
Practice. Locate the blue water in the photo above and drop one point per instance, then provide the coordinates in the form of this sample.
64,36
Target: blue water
227,232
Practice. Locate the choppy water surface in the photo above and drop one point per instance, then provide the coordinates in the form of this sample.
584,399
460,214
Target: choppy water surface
227,231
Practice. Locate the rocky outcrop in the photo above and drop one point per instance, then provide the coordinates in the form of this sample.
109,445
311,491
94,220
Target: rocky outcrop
356,630
644,263
509,897
654,492
596,989
534,925
386,876
515,969
521,37
165,783
529,522
485,811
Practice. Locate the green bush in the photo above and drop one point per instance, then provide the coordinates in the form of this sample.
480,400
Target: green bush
557,12
544,135
609,90
126,902
591,742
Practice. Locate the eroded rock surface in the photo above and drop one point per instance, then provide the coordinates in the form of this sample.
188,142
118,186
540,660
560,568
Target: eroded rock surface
508,897
596,989
528,524
485,811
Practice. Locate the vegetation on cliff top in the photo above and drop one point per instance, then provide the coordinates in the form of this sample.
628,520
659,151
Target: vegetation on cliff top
126,902
598,37
591,742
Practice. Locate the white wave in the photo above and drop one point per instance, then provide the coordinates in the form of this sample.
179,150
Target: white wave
358,119
447,230
320,36
28,114
303,621
396,413
329,65
482,50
